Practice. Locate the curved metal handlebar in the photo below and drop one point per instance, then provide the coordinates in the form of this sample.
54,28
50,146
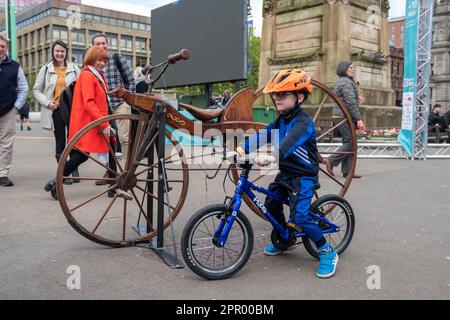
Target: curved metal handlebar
171,59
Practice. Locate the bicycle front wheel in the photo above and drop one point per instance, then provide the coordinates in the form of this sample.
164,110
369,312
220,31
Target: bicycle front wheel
205,258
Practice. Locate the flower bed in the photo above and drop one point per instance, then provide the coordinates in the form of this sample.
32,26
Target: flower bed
379,133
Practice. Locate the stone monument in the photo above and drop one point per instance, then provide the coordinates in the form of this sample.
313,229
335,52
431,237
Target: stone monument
315,35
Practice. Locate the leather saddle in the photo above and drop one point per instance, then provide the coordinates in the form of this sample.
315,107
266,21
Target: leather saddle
202,114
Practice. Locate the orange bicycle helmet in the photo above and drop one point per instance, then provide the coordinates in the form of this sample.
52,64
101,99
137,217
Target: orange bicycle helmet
290,80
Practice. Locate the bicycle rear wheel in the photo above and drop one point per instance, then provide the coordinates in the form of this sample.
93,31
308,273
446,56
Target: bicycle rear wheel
206,259
338,211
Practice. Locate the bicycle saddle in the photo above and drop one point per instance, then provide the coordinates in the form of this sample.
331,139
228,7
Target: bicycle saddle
202,114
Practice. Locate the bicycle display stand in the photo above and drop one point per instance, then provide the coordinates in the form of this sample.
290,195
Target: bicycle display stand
157,245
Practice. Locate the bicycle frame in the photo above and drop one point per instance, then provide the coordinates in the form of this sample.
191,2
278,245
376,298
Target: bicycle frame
245,187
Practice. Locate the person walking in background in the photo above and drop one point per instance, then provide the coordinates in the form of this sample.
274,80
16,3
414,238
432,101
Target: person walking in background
117,73
226,97
14,91
90,103
347,90
435,118
24,113
51,81
141,83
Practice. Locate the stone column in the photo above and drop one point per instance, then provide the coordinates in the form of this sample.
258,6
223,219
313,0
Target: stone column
267,41
336,38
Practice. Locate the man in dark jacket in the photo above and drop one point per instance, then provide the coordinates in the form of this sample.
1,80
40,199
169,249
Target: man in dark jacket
14,90
435,118
447,119
347,90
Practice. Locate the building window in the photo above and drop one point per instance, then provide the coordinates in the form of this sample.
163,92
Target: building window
47,34
141,61
33,39
25,62
41,59
60,33
62,13
126,43
112,40
141,44
78,38
88,18
77,56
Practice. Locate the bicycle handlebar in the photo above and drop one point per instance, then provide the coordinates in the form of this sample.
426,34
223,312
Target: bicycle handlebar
182,55
248,158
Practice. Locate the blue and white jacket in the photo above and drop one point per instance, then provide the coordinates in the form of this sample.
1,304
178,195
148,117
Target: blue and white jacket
294,142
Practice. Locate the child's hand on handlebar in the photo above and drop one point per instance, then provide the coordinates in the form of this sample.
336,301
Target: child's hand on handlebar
264,160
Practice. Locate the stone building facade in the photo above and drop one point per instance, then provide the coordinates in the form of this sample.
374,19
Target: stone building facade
315,35
396,28
397,60
440,55
40,25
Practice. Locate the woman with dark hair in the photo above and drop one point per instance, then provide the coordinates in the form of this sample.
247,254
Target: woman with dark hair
347,90
90,103
51,81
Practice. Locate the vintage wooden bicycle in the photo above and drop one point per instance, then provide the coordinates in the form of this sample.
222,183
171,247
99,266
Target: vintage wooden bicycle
116,221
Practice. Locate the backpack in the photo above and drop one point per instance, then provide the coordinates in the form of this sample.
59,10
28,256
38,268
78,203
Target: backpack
65,102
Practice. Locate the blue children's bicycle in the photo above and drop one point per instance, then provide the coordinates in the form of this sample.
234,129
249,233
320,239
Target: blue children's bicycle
217,241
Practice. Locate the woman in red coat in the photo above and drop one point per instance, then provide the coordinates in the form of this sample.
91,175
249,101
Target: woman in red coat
90,102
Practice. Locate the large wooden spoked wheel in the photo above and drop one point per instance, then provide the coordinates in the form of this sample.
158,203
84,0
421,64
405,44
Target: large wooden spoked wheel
319,106
114,210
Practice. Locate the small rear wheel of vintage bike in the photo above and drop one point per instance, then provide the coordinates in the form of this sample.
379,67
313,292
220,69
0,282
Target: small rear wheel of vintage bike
111,207
338,211
207,259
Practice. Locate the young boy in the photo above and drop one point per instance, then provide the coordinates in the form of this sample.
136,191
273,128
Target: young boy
296,153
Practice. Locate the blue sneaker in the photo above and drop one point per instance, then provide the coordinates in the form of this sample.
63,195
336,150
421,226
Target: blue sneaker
270,250
328,261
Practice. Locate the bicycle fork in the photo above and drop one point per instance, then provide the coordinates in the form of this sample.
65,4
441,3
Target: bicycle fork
226,223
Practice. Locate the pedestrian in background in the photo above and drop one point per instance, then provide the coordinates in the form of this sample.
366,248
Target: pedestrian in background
14,91
347,90
24,113
117,73
51,81
90,103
